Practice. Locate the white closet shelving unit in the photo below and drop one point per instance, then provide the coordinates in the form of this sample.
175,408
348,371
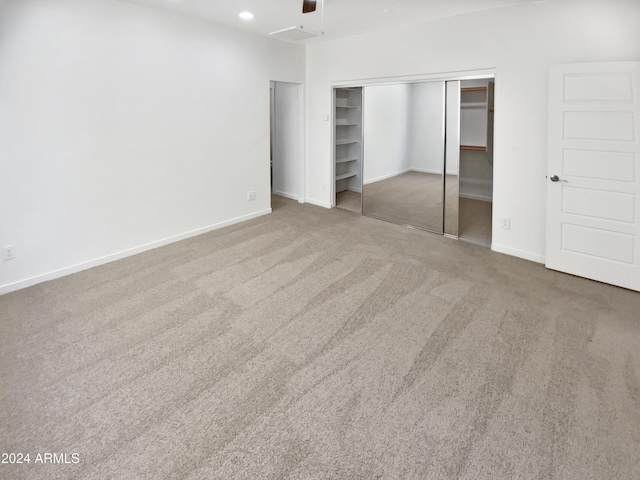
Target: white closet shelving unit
347,150
476,141
476,114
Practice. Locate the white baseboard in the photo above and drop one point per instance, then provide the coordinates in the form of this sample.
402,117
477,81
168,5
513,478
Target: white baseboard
534,257
286,195
62,272
317,203
426,170
384,177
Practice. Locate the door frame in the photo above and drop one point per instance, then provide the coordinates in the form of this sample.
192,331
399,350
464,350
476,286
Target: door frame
404,79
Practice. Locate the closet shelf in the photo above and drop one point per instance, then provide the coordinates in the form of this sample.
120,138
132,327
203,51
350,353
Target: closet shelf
473,148
345,160
347,139
474,89
473,105
345,175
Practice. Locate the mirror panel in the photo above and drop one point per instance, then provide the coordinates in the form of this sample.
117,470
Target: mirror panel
404,149
452,177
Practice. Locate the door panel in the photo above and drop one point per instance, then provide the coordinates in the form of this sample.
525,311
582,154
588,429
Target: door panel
597,164
613,126
598,204
598,243
593,201
601,87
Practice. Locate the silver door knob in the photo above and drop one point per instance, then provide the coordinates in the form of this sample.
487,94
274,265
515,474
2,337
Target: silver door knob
555,178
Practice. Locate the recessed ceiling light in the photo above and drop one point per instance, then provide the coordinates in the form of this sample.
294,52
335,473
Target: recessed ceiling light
246,15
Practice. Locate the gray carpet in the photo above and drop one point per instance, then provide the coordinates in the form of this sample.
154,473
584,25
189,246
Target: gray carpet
315,344
411,198
475,221
349,200
414,198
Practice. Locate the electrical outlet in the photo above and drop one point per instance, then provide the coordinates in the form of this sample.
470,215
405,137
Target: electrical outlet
506,223
251,195
9,253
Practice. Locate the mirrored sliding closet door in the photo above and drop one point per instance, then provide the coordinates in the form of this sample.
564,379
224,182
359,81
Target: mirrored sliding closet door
418,154
403,176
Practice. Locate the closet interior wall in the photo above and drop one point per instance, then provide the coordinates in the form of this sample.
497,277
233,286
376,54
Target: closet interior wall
476,161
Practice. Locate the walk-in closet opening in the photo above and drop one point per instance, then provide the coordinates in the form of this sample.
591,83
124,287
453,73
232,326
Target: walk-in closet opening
476,161
417,153
286,151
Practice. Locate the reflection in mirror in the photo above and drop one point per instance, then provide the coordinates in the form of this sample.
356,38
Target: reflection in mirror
404,146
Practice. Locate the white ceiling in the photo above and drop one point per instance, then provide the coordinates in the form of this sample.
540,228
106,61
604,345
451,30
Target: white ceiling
341,18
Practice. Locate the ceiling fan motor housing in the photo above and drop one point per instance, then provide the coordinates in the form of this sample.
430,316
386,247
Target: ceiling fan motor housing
308,6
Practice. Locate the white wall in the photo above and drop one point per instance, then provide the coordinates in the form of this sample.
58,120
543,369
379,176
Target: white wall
403,129
426,148
521,43
286,140
386,131
124,127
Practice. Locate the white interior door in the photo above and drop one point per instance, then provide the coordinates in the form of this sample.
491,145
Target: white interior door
593,206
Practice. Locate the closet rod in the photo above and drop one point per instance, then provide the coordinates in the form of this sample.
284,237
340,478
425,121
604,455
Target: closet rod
473,148
474,89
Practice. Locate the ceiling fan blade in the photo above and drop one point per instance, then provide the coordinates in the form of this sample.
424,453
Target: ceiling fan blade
308,6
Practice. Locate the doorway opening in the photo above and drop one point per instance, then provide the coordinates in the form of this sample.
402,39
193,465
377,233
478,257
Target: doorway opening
285,160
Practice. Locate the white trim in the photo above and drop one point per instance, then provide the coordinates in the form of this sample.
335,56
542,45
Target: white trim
385,177
286,195
426,170
442,76
318,203
302,145
332,140
534,257
28,282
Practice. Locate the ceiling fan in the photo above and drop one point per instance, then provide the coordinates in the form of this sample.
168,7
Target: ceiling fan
308,6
